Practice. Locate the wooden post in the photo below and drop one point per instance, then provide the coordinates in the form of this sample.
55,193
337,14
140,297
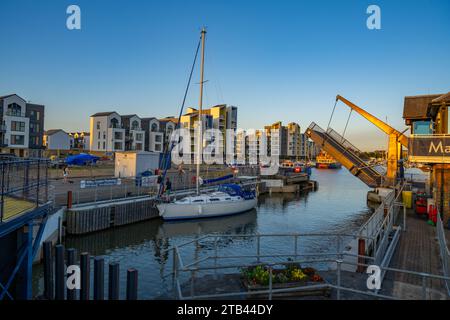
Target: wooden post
361,252
71,260
132,284
99,279
113,281
60,284
85,275
48,270
69,199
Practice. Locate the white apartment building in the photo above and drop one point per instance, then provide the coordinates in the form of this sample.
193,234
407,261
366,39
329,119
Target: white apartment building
14,126
134,133
107,133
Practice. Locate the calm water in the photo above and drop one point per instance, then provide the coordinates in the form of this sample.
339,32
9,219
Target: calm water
339,205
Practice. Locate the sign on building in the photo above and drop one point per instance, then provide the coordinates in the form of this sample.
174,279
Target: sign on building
429,149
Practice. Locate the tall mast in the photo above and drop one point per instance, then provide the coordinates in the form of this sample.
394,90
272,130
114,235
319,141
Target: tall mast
200,120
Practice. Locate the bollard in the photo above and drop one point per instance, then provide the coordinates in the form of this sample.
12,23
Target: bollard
113,281
69,199
361,252
132,284
85,275
71,260
99,279
60,284
48,270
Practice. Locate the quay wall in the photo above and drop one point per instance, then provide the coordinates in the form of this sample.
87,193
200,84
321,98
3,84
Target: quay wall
91,218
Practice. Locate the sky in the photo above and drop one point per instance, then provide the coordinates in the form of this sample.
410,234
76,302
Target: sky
274,60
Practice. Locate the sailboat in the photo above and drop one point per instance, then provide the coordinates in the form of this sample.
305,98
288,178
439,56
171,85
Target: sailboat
229,199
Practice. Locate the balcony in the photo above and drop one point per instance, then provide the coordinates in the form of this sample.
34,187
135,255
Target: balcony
12,113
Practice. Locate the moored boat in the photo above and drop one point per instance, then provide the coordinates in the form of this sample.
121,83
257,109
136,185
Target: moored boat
228,200
325,161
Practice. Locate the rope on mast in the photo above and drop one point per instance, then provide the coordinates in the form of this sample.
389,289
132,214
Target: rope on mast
177,126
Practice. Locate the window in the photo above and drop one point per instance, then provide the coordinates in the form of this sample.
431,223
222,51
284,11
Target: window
14,110
197,201
18,126
422,127
38,115
104,145
114,123
99,135
17,139
158,138
98,146
117,146
135,125
154,127
139,136
118,135
98,125
104,135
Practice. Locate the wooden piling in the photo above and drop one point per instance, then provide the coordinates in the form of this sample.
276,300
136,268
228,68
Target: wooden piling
113,281
132,284
71,260
60,282
361,252
85,275
99,279
48,270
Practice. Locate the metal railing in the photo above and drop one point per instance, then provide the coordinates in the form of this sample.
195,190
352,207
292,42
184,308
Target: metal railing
443,250
97,194
334,259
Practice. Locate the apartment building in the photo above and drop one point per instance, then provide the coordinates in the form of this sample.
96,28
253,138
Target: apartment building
308,148
16,118
294,141
35,112
276,139
221,117
134,133
190,121
107,133
155,136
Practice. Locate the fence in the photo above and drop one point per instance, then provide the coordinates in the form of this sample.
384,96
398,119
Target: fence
55,281
23,186
335,259
443,250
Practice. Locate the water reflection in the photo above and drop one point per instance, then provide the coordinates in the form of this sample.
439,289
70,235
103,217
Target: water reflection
338,206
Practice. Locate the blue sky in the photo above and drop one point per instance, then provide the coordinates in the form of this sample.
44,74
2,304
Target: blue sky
275,60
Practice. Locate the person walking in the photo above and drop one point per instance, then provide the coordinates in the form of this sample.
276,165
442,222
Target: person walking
66,174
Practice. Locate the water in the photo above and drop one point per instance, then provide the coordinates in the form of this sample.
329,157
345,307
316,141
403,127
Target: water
339,205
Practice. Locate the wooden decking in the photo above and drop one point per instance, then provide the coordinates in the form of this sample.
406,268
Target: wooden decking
13,207
418,250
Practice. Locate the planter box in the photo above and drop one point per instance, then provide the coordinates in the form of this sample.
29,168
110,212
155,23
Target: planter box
303,293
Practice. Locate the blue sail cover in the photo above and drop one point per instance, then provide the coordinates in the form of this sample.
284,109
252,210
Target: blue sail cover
236,190
81,159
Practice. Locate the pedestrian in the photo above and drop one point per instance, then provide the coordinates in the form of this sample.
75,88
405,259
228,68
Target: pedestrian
66,173
168,186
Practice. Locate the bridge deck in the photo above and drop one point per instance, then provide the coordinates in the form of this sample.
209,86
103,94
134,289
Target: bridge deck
418,250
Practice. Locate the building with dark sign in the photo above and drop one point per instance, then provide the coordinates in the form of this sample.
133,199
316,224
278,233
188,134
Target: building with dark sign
429,143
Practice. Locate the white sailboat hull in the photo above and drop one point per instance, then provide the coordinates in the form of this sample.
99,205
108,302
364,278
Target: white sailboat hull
178,211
